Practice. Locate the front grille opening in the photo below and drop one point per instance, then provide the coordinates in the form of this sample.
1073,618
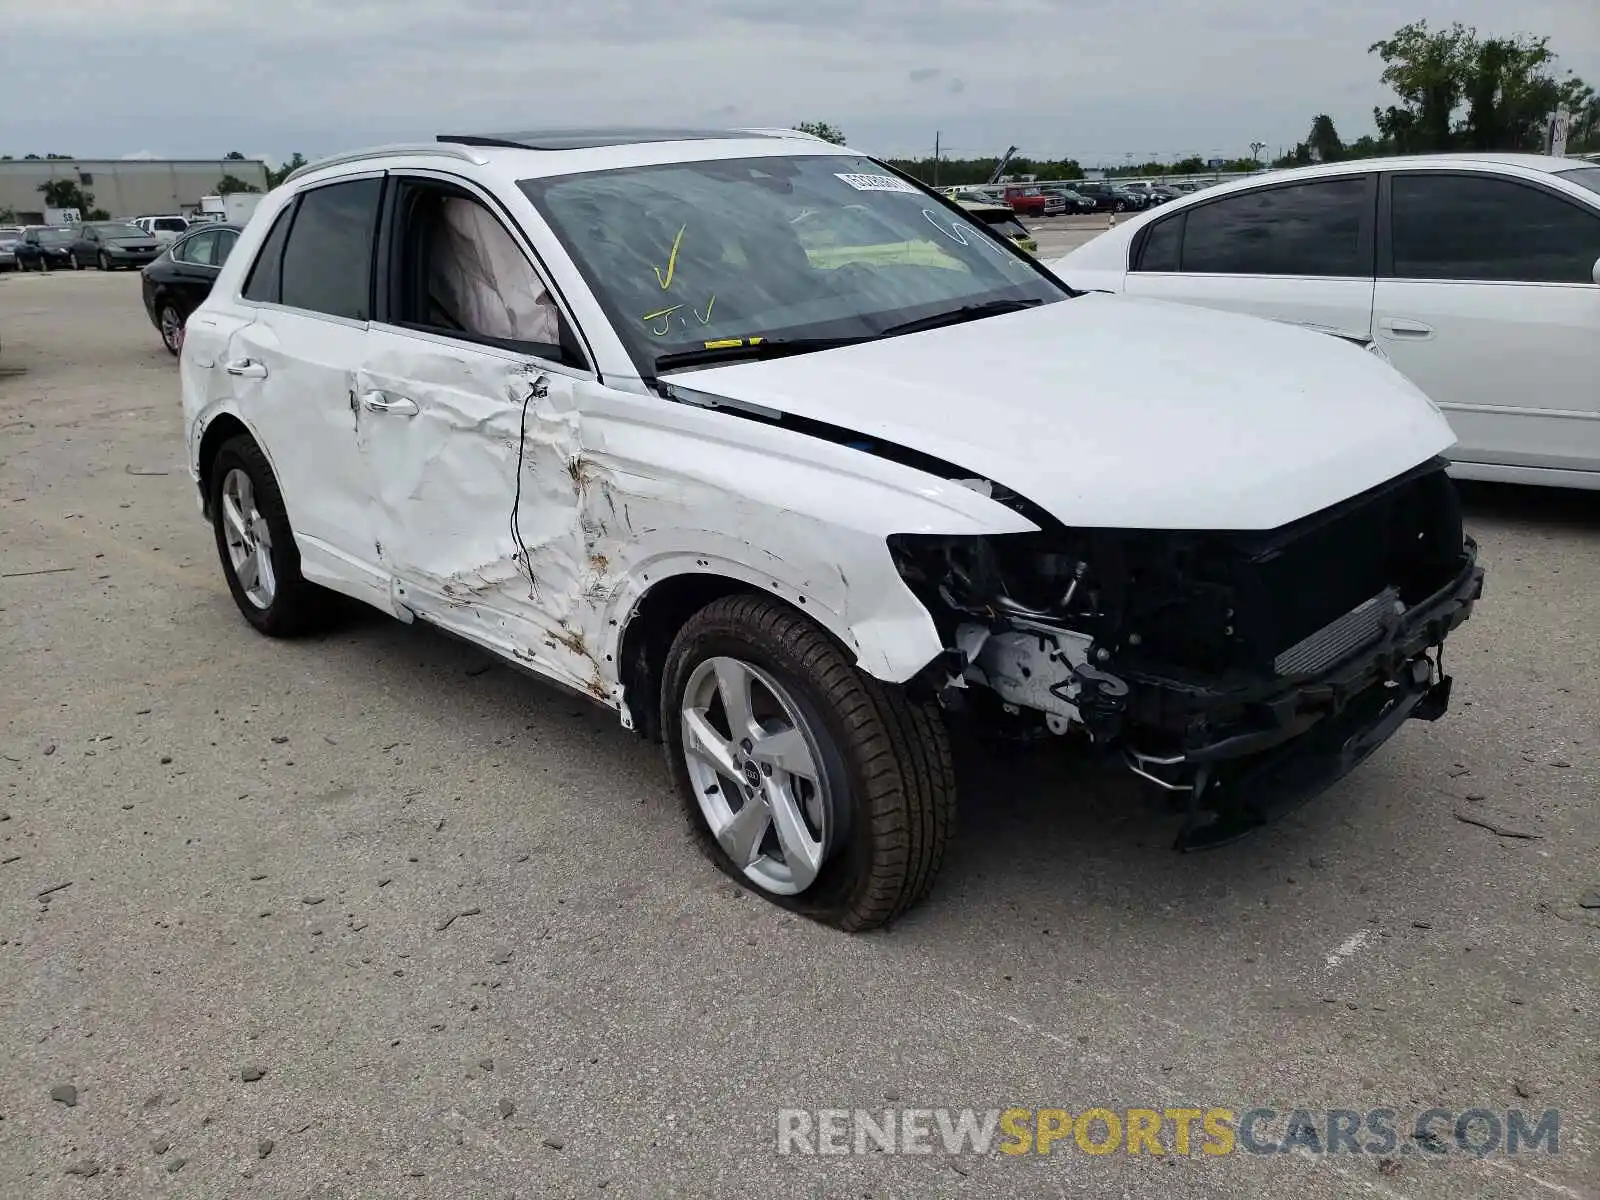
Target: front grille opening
1307,593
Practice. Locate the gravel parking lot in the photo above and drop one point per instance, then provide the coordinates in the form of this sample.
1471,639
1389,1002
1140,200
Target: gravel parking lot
371,915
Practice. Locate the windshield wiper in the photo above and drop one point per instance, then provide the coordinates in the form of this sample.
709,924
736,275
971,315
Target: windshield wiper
751,348
958,316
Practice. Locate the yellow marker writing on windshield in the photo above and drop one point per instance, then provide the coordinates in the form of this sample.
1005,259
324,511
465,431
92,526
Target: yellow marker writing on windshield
664,315
672,261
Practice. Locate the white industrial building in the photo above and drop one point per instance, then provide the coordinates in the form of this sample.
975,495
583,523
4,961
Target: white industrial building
124,187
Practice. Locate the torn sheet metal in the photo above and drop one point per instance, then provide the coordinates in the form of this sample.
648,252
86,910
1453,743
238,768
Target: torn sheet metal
533,509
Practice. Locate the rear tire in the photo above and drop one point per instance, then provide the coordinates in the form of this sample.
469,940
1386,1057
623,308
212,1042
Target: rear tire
256,545
103,261
171,326
883,802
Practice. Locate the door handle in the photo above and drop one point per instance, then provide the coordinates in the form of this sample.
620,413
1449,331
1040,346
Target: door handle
1404,327
247,368
394,406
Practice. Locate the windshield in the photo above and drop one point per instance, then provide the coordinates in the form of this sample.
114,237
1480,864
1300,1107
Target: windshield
55,237
117,229
692,256
1586,177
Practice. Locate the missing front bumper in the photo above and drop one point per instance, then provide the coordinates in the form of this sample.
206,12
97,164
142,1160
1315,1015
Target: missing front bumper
1296,742
1227,801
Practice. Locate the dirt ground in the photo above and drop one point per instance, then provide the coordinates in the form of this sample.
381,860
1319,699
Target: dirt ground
369,915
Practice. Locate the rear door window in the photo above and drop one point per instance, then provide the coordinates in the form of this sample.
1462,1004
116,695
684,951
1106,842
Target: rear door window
200,250
327,261
1482,228
1320,228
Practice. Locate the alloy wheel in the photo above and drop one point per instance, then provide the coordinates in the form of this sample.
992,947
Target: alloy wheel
756,769
171,328
249,540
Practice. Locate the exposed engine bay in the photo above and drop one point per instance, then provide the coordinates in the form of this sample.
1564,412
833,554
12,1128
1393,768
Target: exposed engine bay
1241,672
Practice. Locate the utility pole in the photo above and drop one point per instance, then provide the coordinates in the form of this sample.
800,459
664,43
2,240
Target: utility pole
935,158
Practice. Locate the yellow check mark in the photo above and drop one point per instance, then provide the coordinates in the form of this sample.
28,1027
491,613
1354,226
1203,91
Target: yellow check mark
672,261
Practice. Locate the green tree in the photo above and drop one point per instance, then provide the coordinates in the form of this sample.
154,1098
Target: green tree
229,184
274,178
65,193
1324,140
823,130
1511,91
1426,70
233,156
1461,91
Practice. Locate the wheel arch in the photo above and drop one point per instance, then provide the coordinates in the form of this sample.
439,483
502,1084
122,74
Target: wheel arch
219,427
651,621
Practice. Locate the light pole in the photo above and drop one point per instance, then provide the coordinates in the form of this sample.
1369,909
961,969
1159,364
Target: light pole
1255,150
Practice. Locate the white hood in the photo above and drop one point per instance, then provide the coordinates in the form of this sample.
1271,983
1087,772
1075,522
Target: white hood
1119,413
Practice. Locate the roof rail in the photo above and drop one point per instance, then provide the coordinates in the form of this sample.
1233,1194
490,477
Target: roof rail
445,150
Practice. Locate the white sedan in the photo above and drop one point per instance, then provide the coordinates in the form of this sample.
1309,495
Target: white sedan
1478,276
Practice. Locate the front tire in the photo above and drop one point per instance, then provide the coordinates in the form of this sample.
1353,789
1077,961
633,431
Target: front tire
830,793
259,558
72,261
103,261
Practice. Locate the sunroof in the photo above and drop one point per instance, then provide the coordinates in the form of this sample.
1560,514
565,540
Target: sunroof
589,139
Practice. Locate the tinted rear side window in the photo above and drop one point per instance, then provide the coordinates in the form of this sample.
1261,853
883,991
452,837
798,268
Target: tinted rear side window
1481,228
1160,249
1304,229
266,274
327,265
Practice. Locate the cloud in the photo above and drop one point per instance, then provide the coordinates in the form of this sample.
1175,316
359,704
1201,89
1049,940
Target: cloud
1053,76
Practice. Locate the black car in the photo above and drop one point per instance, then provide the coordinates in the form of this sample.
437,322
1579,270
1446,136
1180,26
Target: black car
42,247
111,244
181,277
1076,201
1109,197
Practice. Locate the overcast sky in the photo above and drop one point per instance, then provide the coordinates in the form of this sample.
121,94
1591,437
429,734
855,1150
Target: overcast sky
1094,79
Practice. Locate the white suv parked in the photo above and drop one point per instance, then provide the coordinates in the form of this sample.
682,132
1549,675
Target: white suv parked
792,464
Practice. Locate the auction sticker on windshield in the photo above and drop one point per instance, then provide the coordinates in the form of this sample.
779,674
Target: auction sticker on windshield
876,183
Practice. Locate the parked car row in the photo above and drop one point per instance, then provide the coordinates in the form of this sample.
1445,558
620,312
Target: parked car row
108,245
1478,276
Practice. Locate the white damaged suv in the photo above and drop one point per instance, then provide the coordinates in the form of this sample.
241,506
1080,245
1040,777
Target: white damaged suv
782,457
